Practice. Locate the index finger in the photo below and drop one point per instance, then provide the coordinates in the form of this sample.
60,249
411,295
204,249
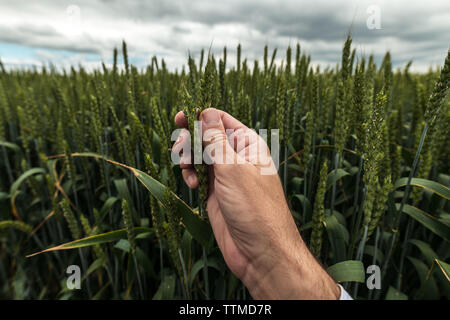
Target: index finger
229,122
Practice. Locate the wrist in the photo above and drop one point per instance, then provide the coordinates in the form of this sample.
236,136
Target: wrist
296,275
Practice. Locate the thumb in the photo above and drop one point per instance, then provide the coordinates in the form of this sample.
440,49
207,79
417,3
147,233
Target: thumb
217,149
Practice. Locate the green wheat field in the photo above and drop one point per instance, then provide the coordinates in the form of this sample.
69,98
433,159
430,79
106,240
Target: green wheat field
86,176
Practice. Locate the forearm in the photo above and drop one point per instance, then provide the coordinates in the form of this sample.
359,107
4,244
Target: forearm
295,276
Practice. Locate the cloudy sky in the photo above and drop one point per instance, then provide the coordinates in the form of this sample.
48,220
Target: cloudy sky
81,31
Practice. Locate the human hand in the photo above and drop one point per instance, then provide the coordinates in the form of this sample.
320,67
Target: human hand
249,214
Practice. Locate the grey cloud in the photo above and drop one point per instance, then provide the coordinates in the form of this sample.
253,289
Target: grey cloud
418,29
49,38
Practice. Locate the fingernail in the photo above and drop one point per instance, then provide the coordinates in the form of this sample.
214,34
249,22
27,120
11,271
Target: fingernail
211,117
191,179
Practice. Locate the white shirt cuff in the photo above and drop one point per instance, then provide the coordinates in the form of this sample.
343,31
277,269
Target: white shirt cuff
344,294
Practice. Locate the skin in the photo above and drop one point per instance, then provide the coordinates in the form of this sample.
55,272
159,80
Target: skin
249,214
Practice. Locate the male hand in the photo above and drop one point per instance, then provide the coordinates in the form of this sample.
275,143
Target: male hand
249,214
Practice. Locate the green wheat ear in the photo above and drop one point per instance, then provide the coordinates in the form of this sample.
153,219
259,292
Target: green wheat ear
51,192
138,127
70,219
128,222
340,123
19,225
373,157
281,107
439,93
172,228
309,129
359,106
380,203
318,217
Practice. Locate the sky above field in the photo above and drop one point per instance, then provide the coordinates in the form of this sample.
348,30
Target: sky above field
33,33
